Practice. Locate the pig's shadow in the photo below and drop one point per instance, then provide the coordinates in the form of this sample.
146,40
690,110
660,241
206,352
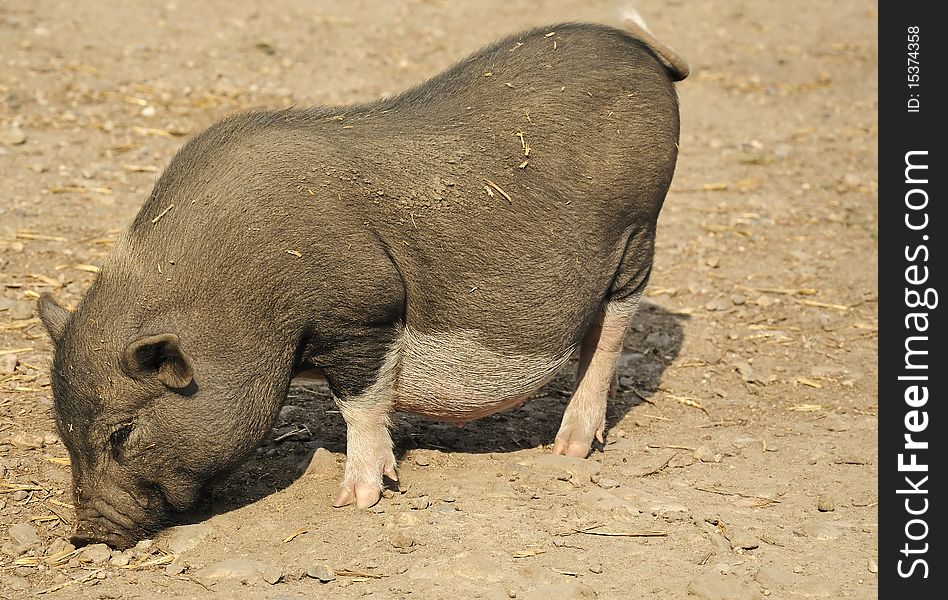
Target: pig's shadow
310,419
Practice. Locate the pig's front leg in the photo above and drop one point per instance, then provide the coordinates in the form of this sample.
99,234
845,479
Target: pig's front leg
359,363
369,453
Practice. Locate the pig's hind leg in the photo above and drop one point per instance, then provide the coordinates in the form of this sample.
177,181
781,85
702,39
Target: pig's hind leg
585,415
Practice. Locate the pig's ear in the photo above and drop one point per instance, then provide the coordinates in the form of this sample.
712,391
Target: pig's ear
159,356
53,316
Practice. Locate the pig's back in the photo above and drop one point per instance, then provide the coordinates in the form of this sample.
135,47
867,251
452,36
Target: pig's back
506,189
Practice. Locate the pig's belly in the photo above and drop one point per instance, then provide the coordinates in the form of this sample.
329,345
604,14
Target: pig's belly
455,377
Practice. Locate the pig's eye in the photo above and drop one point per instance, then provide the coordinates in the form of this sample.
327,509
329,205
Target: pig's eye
120,435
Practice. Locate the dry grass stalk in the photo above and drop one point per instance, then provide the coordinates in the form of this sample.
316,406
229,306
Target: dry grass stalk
59,586
32,235
500,190
527,553
162,213
724,492
15,351
295,535
74,189
351,573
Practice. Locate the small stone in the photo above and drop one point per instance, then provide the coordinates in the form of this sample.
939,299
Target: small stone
8,364
422,461
24,534
741,540
826,504
608,484
174,568
241,569
272,574
718,304
420,503
873,565
323,573
449,498
120,559
707,455
95,553
595,568
27,441
185,537
12,136
738,299
20,495
402,540
321,465
715,586
12,549
148,111
59,545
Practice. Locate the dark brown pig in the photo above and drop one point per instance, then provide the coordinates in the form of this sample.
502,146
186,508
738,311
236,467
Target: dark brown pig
442,252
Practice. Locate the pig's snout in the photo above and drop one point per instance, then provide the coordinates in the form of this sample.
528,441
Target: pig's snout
100,523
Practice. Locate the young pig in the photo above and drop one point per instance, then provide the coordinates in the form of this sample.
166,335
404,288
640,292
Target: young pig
442,252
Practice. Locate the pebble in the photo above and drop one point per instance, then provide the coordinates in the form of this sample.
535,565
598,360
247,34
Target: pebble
8,364
873,566
738,299
241,569
24,534
718,304
95,553
174,568
59,545
826,504
608,484
422,461
715,586
323,573
420,503
321,465
27,441
120,559
12,136
595,568
741,540
181,539
402,540
707,455
20,495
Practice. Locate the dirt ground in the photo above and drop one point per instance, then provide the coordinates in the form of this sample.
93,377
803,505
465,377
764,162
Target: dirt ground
741,455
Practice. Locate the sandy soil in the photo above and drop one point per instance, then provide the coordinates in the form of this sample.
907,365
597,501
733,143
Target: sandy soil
741,458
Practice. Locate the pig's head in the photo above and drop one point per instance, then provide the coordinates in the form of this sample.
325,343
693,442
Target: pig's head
148,427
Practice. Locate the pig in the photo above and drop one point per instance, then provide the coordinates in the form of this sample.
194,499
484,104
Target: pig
442,252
